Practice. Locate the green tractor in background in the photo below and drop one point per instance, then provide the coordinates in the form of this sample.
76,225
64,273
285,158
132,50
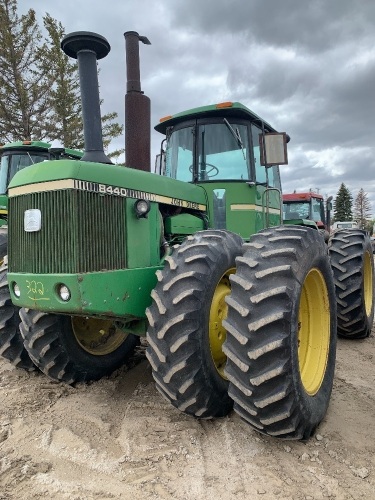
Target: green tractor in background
238,309
14,157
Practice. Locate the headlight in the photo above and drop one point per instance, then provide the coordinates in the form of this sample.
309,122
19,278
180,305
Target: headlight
16,290
142,208
63,292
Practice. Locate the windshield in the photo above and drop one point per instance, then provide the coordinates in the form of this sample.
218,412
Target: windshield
223,152
296,210
303,210
11,163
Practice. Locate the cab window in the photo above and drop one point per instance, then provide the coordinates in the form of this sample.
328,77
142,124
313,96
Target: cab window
273,172
223,152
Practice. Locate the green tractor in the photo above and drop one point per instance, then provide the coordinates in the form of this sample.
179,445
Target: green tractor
238,310
15,156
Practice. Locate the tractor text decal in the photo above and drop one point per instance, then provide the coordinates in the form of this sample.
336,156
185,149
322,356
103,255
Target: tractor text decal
134,193
111,190
35,290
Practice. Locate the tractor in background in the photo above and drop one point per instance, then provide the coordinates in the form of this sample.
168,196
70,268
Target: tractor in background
311,206
239,310
14,157
350,254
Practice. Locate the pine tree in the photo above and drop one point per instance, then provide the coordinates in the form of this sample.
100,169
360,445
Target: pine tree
362,209
24,81
39,85
342,206
65,123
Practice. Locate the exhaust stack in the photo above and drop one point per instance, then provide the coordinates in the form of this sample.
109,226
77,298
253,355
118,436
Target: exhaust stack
87,48
137,108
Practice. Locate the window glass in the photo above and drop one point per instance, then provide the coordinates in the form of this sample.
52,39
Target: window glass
4,173
274,176
12,163
219,205
223,151
317,209
260,170
179,155
296,210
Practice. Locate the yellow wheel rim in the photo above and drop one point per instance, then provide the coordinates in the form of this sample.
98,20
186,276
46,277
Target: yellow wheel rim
218,312
97,336
314,330
368,283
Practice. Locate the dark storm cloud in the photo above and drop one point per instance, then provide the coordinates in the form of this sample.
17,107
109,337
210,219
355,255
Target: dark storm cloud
314,26
306,67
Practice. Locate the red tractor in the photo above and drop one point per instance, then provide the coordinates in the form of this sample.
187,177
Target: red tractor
308,206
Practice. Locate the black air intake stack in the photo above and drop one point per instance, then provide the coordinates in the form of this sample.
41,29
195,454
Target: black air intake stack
87,48
137,108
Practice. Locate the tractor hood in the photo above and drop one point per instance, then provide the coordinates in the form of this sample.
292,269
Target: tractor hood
108,179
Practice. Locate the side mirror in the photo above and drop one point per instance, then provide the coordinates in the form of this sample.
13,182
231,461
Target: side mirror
273,149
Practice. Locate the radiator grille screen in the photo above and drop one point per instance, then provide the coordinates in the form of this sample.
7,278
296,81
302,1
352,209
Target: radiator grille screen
81,232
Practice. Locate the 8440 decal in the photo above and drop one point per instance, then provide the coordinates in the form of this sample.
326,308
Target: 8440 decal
134,193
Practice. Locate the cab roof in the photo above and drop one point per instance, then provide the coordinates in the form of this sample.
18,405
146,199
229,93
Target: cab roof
301,196
224,109
30,145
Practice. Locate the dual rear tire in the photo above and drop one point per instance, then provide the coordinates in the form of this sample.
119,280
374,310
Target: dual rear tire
353,268
281,332
279,326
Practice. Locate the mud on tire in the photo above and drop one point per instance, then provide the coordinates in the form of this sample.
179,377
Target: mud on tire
281,332
353,269
185,333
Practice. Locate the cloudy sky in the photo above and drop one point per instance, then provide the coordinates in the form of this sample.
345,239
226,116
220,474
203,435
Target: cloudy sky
306,67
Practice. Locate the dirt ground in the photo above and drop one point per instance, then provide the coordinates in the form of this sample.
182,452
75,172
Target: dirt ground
118,439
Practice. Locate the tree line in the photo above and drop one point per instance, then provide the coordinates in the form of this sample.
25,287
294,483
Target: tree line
39,84
360,211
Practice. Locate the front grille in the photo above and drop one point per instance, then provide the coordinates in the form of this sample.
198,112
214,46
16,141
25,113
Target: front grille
81,232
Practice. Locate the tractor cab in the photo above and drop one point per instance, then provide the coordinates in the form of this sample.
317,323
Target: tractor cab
220,147
16,156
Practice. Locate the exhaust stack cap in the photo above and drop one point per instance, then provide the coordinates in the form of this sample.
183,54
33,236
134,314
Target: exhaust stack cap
87,48
85,40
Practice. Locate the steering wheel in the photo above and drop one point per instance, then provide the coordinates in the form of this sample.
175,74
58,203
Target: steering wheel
207,171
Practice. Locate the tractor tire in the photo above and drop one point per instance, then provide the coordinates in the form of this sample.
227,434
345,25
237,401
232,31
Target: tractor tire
11,342
74,349
352,263
281,332
3,245
185,333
